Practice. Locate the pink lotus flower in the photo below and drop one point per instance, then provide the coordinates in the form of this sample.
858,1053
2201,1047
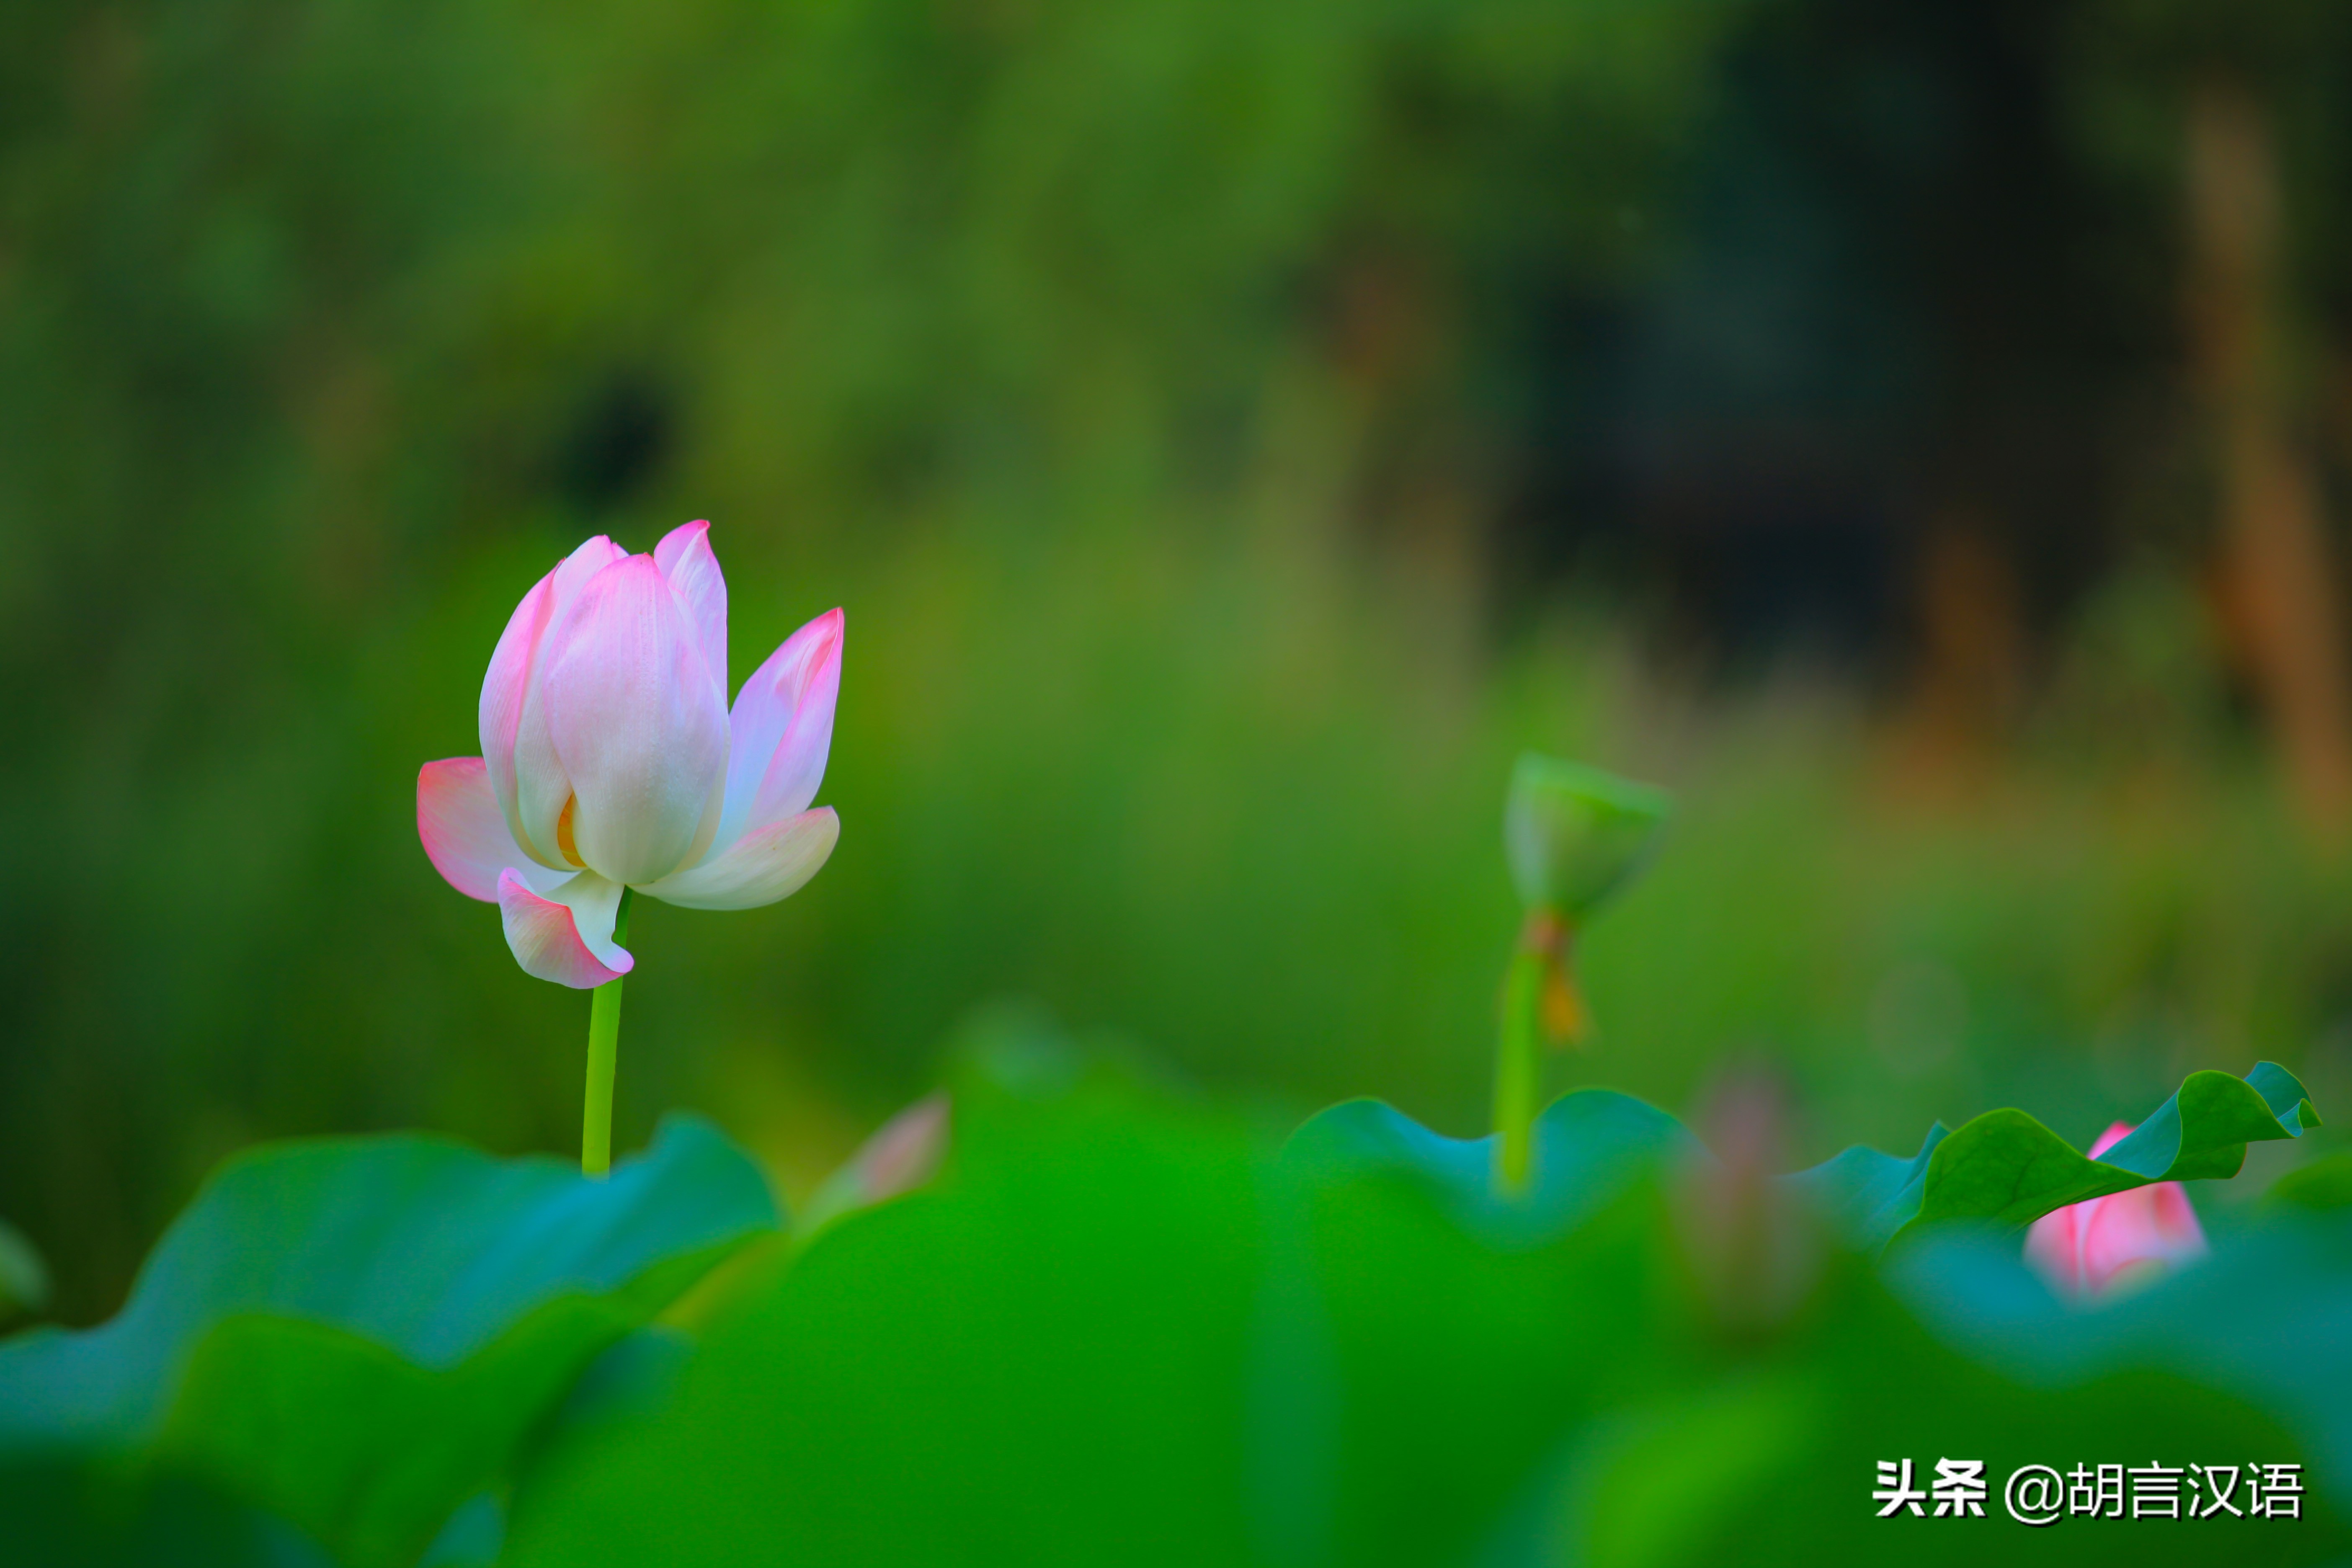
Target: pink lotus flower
610,759
2093,1248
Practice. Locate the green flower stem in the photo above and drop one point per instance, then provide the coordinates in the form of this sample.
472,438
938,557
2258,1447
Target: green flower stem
603,1058
1519,1070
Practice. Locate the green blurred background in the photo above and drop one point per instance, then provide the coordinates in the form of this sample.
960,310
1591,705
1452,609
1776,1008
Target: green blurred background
1914,432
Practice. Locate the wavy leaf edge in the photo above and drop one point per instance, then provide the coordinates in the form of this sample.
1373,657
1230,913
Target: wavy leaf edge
2003,1167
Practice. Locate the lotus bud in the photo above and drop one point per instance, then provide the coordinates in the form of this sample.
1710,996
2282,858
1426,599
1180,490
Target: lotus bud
2105,1246
1750,1242
1573,835
903,1154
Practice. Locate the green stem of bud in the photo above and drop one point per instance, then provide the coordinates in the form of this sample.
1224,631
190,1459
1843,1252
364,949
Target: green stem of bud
1519,1070
603,1062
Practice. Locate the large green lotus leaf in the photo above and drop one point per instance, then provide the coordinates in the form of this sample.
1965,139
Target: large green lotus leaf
2006,1167
1590,1146
1423,1347
630,1381
1439,1385
355,1333
1574,1389
2268,1316
1961,1353
1114,1320
1040,1358
1114,1328
1866,1196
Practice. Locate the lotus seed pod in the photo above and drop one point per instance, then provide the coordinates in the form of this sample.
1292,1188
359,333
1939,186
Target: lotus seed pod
1575,835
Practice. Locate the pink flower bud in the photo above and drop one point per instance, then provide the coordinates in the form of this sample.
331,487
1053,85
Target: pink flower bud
1751,1245
2095,1248
901,1156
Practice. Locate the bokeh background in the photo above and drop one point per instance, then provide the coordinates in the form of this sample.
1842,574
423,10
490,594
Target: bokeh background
1914,432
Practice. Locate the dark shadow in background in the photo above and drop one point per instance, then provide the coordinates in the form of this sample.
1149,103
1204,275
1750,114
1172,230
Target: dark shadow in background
1888,317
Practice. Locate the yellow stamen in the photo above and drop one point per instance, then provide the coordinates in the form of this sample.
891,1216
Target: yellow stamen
565,845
